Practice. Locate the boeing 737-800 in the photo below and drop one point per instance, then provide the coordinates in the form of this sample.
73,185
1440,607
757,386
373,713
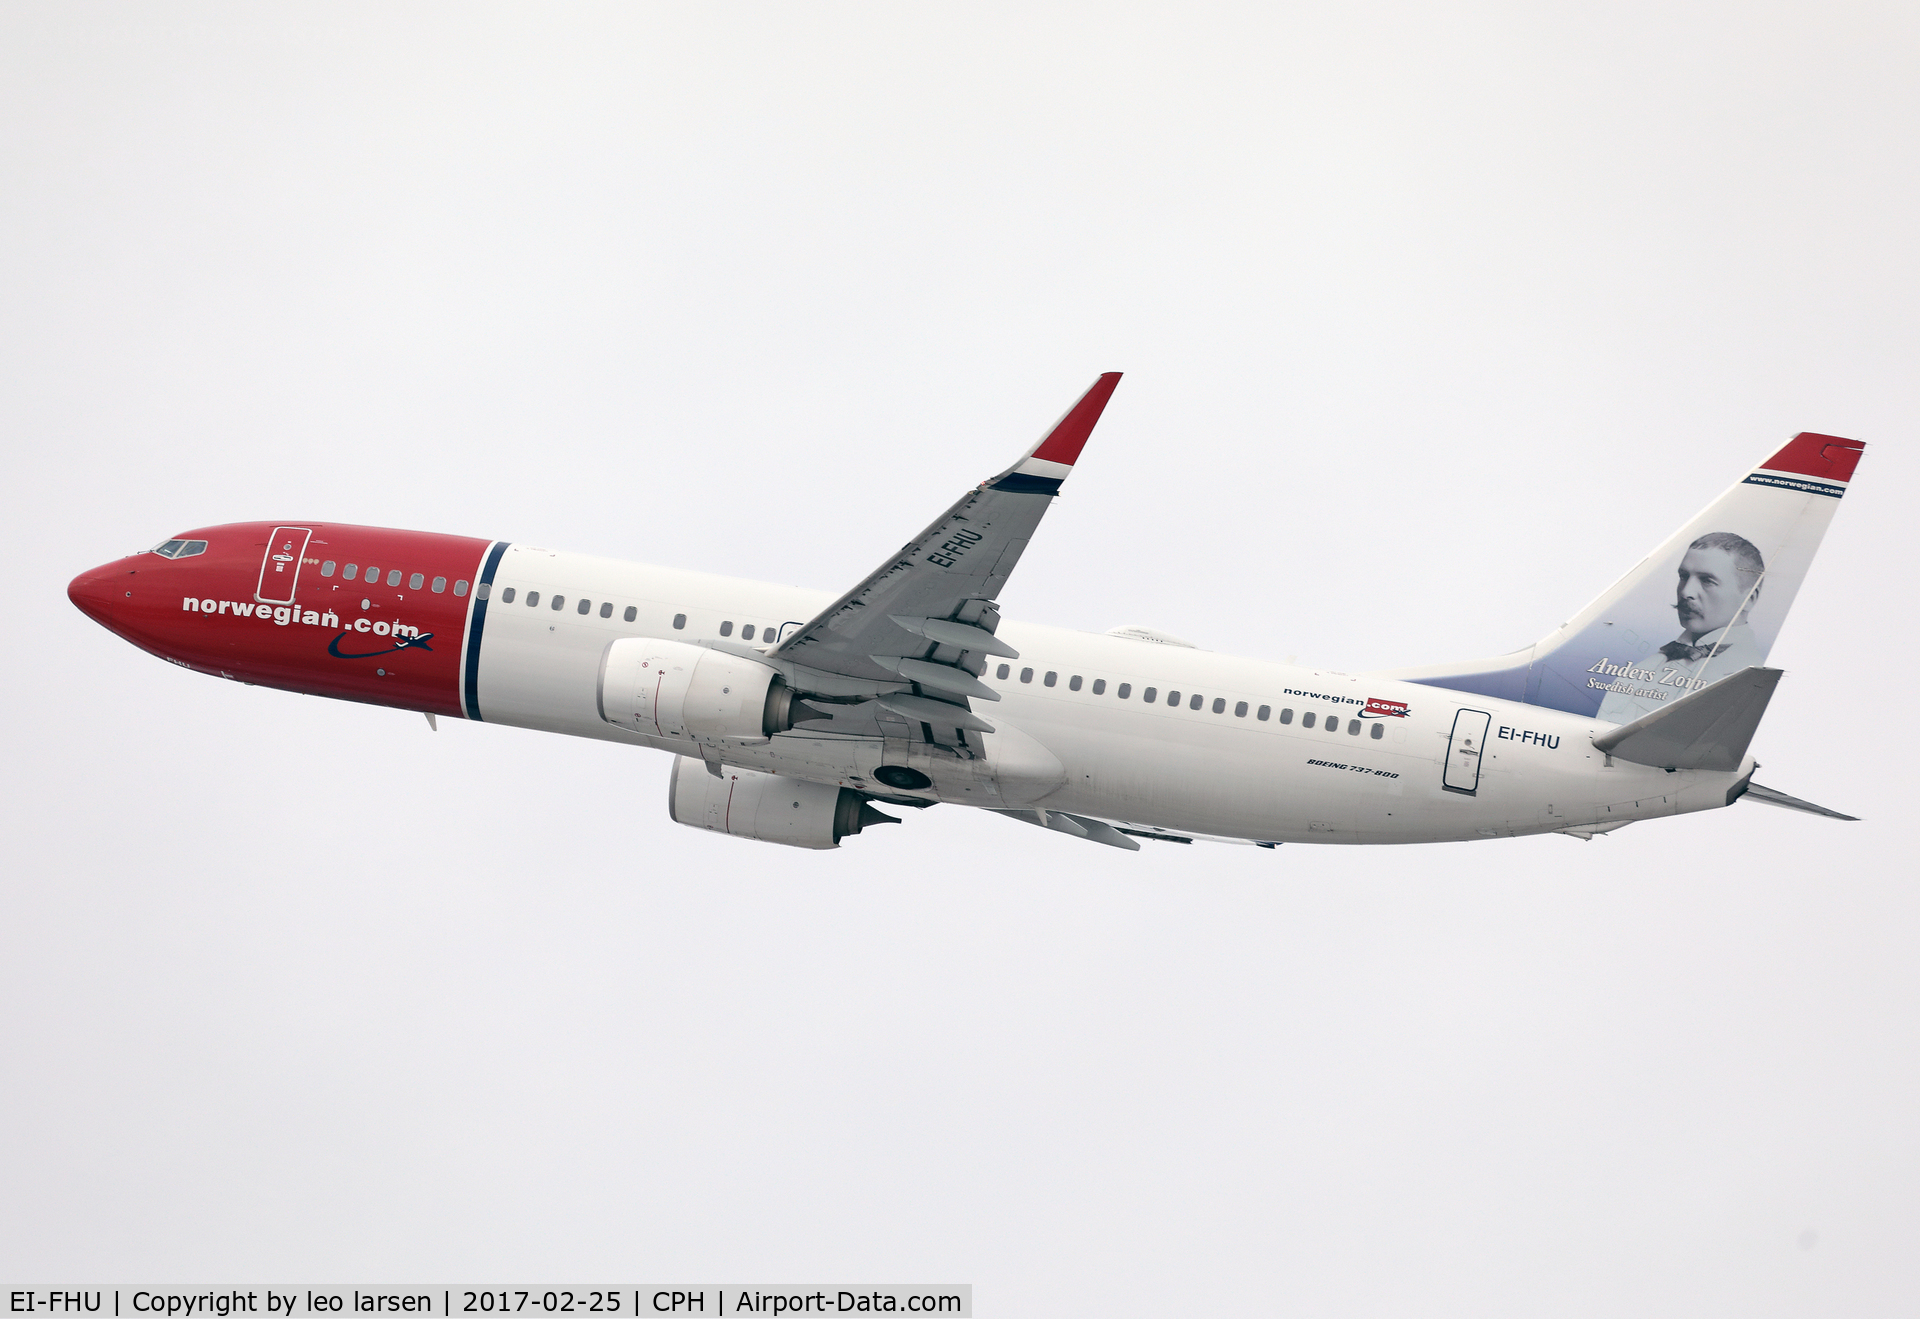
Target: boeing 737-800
790,712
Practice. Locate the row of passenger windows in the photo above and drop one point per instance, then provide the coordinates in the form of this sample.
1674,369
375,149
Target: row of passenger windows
1151,695
580,606
414,582
584,606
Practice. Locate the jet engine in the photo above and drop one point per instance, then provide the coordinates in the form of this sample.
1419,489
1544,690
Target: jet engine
749,804
673,690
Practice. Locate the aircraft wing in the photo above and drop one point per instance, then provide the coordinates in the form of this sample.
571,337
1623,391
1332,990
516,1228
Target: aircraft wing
920,626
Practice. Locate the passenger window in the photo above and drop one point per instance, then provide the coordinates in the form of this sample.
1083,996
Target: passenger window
1306,720
1149,694
1026,675
1353,727
1124,690
439,586
506,596
679,620
1073,683
1379,731
351,571
373,576
1173,698
533,598
1099,686
1051,678
585,606
726,628
393,577
1220,705
606,609
1002,671
326,569
1286,716
1240,710
1196,702
746,632
416,581
1264,713
1333,725
559,600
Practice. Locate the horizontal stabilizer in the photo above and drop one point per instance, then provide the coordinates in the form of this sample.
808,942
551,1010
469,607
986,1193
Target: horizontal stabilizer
1709,729
1774,797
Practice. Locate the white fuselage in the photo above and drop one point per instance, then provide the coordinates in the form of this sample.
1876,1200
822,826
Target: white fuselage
1208,770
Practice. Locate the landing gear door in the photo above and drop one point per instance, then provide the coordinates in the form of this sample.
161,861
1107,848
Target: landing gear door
1465,750
280,566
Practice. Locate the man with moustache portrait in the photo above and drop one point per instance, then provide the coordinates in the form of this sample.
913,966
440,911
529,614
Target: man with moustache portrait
1719,583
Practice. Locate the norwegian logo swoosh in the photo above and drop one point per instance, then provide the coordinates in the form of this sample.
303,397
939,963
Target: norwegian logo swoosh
405,643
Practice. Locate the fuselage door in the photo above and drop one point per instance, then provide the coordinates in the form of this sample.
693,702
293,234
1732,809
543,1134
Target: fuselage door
1464,751
280,566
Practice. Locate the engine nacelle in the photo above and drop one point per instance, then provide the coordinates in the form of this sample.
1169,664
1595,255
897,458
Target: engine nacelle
749,804
673,690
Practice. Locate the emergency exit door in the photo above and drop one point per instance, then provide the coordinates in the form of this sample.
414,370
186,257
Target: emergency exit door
280,565
1465,751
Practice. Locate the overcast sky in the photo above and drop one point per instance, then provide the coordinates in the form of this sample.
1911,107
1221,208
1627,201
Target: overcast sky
1435,318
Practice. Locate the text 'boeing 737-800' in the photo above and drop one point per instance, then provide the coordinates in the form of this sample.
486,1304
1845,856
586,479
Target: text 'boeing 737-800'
790,712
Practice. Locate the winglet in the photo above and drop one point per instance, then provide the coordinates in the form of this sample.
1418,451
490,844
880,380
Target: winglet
1047,463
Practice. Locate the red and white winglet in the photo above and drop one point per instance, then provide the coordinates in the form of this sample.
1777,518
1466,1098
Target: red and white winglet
1047,463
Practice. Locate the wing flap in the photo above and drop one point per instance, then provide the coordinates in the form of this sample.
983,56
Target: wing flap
1075,826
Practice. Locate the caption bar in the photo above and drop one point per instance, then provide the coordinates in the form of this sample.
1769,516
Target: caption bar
707,1301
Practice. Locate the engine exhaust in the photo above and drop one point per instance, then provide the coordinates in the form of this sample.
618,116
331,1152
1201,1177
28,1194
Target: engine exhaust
785,708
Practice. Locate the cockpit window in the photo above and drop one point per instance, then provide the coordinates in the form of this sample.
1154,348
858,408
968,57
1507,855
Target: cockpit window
180,549
169,549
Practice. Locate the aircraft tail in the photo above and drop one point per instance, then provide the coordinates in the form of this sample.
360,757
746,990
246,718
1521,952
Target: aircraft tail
1704,606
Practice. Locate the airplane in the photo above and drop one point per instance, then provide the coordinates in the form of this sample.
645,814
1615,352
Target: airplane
790,712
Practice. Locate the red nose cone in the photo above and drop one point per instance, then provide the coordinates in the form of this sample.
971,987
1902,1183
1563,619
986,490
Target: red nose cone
102,592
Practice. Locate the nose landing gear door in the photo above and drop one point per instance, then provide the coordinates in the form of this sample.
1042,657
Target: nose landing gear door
1465,750
280,566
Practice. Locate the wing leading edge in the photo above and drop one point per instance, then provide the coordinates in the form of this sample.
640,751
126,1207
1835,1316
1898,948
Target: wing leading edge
917,632
909,644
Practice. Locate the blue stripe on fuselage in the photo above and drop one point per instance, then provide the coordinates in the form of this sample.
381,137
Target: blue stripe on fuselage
475,625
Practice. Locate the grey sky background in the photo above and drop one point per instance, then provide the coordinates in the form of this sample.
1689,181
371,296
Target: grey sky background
1435,320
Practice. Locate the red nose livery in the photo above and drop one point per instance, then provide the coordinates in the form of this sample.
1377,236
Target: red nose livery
358,613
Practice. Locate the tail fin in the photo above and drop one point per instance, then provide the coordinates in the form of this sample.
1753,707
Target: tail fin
1704,606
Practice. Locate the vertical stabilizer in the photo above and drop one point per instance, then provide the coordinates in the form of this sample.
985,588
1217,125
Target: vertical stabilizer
1705,605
